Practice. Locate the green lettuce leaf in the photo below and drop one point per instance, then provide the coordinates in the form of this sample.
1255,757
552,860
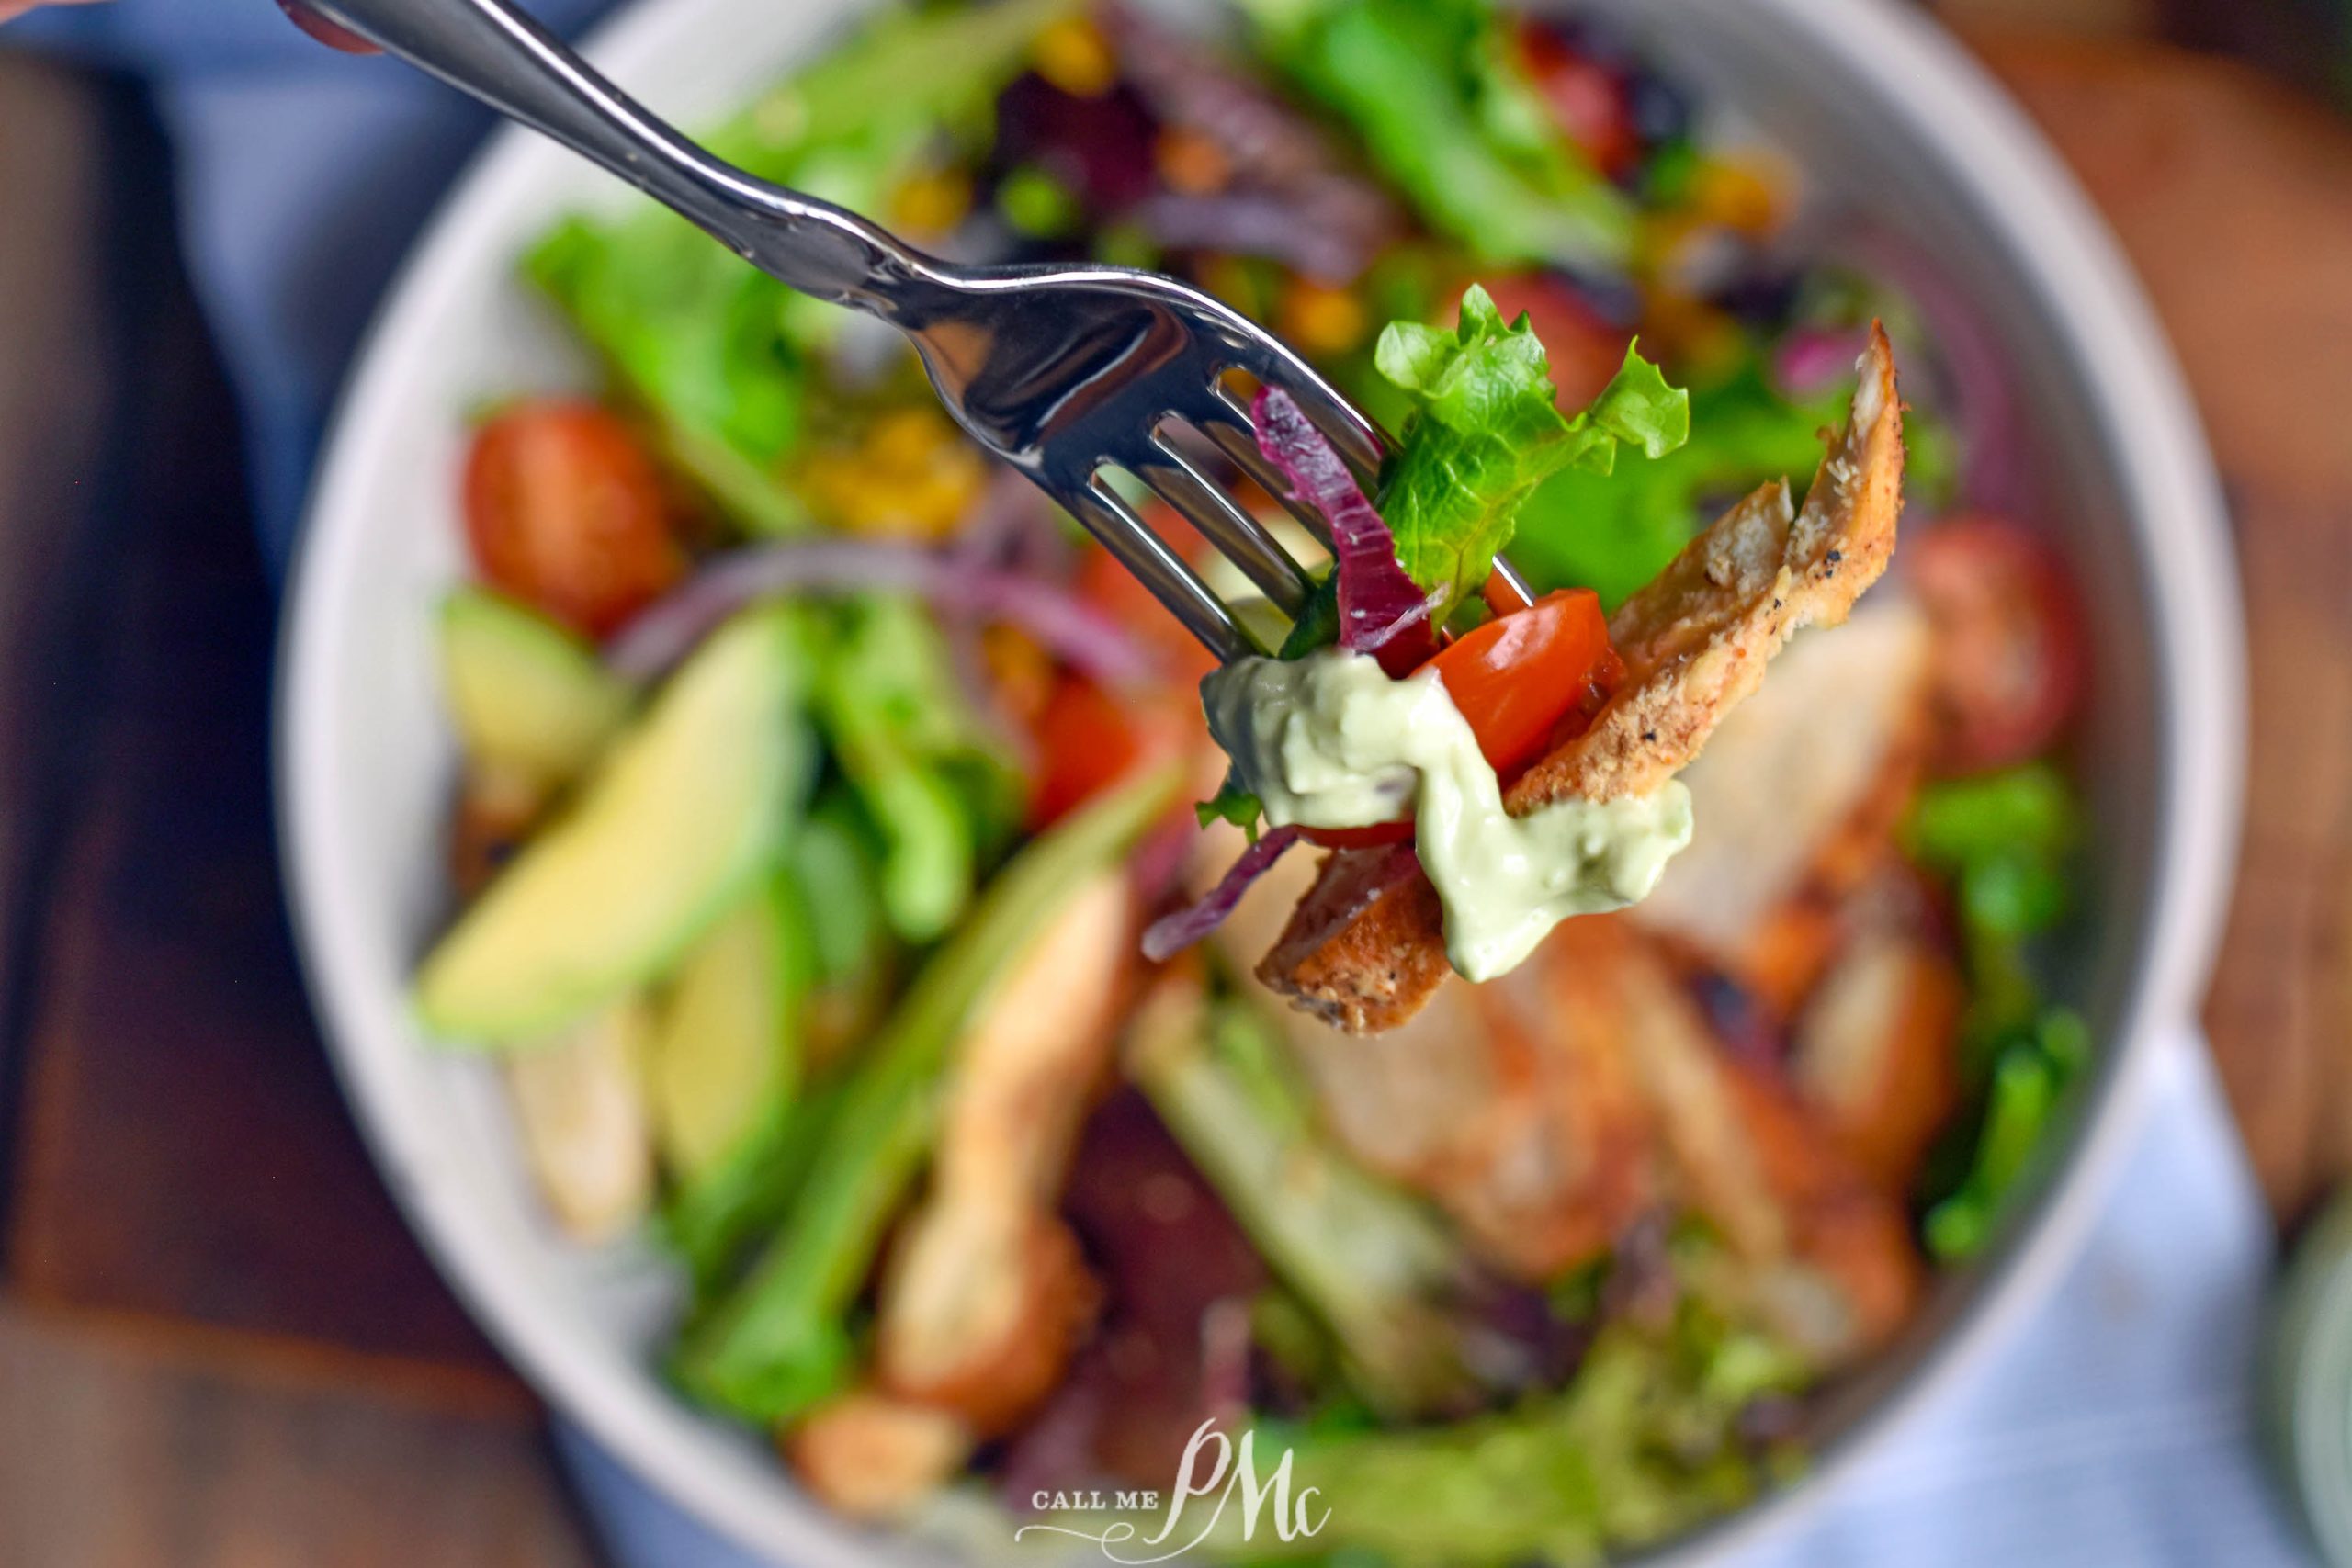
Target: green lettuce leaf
942,793
1443,110
1231,804
1486,430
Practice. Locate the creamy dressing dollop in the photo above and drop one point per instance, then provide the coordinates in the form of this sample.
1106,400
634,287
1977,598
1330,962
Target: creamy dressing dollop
1332,741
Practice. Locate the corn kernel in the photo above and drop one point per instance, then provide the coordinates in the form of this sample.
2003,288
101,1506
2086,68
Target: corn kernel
1074,56
910,476
1742,194
929,205
1320,319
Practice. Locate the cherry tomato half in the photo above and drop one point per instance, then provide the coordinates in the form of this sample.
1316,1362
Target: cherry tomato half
1088,740
2010,662
1518,676
1588,100
566,513
1525,681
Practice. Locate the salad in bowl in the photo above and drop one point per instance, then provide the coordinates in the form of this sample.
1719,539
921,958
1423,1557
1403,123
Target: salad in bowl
1026,1071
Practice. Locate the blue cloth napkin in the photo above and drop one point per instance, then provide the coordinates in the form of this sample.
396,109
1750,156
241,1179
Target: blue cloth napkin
2112,1430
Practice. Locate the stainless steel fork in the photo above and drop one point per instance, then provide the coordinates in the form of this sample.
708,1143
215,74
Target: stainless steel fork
1063,372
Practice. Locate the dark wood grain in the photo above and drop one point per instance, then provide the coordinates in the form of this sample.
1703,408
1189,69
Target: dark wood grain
184,1166
111,1459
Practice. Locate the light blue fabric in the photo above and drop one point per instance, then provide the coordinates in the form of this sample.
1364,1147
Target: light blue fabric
2112,1431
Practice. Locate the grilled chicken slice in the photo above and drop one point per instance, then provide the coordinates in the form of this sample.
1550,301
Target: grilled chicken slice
584,1122
984,1294
1795,800
871,1457
1825,1255
1563,1160
1499,1103
1875,1052
1366,948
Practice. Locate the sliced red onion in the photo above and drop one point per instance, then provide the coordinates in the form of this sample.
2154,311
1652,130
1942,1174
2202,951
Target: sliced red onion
1171,934
1072,631
1994,472
1381,611
1813,359
1011,528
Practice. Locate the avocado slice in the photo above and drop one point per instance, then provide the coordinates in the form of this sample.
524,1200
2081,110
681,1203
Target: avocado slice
688,811
726,1057
529,698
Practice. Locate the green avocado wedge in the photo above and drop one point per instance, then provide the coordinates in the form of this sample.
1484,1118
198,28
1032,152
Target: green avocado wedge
726,1054
528,698
688,811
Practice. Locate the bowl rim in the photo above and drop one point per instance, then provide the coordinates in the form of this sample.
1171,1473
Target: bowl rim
2172,498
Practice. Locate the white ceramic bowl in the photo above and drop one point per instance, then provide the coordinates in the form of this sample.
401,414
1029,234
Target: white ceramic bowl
1876,106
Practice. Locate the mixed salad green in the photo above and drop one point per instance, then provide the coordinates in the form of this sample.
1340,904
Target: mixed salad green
820,783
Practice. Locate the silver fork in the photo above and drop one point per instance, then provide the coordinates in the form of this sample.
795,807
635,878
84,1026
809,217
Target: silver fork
1063,372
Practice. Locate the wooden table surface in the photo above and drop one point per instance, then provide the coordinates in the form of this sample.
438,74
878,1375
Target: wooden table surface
186,1174
2234,200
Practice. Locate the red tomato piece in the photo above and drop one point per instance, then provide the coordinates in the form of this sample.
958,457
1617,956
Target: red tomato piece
2010,661
1518,676
1088,740
566,513
1525,681
1588,100
1583,350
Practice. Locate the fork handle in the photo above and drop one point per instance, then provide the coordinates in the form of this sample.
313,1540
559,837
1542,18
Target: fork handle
499,54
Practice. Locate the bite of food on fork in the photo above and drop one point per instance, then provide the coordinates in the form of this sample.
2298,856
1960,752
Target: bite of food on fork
1460,832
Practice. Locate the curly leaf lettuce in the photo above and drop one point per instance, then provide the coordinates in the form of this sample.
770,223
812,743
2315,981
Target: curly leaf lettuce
1486,430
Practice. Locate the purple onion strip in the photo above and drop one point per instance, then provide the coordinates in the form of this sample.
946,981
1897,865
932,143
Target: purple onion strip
1382,610
1078,635
1171,934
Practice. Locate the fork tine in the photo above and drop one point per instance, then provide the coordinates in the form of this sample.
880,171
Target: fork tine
1145,554
1240,537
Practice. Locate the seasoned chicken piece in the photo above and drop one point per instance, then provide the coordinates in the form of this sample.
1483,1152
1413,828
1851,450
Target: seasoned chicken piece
1366,948
984,1294
875,1458
1827,1258
1795,799
1499,1103
1563,1161
1874,1052
584,1122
